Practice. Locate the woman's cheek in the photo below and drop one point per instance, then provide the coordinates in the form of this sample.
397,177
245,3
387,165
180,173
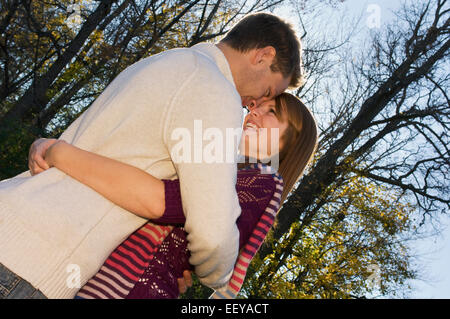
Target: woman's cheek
260,143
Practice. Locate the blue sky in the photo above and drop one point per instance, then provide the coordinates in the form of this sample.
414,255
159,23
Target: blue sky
433,253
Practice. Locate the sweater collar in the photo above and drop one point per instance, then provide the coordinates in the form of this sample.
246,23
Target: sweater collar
217,56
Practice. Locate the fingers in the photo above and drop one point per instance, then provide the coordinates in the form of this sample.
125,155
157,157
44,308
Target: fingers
36,161
39,160
185,282
34,170
37,164
181,285
187,275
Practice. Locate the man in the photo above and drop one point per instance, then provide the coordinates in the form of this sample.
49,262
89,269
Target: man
54,229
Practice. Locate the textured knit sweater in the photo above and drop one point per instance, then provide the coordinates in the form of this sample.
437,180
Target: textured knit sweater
140,268
55,232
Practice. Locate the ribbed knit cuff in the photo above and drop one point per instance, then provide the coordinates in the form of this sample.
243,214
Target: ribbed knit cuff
173,214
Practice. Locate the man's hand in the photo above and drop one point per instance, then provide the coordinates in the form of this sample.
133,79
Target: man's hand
36,161
185,282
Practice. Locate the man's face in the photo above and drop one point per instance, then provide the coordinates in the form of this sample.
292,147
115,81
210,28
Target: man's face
263,86
259,83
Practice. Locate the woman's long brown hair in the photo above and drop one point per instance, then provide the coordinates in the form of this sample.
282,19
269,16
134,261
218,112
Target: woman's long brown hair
299,140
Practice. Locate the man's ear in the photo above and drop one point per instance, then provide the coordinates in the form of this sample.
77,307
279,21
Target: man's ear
264,55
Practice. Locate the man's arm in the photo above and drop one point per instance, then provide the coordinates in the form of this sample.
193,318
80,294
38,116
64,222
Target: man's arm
208,190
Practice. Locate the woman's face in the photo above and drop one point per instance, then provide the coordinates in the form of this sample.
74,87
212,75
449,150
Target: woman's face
263,130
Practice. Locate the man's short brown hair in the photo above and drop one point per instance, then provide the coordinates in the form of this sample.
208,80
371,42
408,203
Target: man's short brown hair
260,30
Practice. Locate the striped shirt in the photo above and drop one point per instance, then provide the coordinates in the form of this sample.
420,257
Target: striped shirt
147,264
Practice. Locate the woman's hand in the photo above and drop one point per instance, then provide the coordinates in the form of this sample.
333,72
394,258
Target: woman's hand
36,155
185,282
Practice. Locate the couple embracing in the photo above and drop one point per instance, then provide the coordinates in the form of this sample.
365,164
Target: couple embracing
109,199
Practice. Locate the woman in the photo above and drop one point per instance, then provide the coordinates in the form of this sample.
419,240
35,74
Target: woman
297,141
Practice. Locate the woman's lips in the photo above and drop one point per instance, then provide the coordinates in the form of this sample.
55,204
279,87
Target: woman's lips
251,128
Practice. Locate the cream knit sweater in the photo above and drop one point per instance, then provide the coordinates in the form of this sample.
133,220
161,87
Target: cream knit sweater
56,232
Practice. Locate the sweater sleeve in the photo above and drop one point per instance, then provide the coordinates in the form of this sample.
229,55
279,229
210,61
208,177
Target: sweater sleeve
173,213
207,104
252,244
255,190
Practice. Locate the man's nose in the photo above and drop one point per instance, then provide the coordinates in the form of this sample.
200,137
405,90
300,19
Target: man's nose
252,105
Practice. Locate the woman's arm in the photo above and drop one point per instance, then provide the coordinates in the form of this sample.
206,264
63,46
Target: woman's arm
127,186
